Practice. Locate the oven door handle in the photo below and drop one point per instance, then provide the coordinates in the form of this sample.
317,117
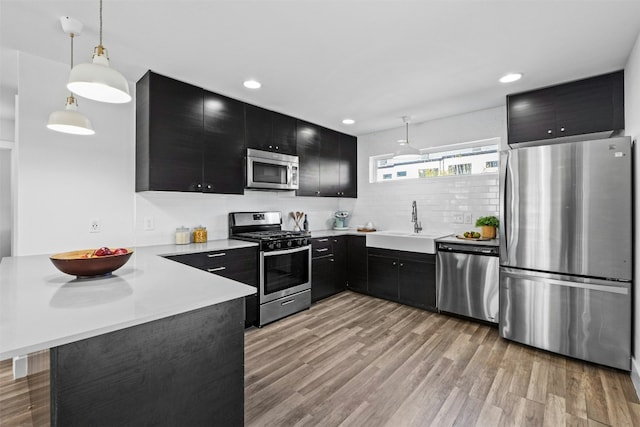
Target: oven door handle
286,251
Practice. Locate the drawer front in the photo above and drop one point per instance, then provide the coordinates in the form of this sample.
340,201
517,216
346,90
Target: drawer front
237,264
321,246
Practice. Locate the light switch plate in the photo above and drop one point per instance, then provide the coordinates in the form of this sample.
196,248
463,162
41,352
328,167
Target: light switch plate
458,218
467,218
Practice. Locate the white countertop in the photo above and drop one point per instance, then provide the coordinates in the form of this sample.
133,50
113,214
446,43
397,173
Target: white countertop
41,307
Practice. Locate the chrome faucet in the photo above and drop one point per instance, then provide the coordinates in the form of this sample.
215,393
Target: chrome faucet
417,225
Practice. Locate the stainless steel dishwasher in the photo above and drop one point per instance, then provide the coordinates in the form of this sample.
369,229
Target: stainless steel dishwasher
467,280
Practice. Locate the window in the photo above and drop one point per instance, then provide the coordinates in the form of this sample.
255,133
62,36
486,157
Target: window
471,158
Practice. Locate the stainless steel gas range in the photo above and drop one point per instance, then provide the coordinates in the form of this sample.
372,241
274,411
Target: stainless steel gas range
285,263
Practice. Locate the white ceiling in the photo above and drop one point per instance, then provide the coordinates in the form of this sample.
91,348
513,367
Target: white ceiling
322,61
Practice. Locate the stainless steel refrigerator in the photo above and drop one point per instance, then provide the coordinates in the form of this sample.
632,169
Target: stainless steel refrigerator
566,255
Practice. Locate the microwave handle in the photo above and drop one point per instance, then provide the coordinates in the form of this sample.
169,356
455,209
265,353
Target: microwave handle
289,174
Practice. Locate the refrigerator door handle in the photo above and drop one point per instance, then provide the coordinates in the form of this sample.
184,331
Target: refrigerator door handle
504,168
595,286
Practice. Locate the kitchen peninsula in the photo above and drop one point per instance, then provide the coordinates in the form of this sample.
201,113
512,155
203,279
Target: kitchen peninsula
157,341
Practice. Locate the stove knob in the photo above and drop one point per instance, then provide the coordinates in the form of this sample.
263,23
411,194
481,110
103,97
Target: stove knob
278,245
289,243
270,245
304,242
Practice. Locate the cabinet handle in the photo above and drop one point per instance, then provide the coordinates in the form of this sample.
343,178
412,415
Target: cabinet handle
331,259
561,129
401,265
335,241
394,263
277,148
322,250
317,192
211,270
216,255
199,186
209,187
549,131
323,240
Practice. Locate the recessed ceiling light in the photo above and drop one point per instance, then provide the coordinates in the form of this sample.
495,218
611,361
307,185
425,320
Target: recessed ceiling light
348,121
252,84
511,77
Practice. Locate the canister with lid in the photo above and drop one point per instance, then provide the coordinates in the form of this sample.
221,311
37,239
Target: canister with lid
200,234
183,236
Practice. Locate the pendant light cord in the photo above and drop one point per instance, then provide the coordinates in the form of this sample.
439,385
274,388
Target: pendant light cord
100,22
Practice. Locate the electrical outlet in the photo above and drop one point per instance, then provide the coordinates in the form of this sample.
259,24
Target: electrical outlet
94,227
149,223
467,218
458,218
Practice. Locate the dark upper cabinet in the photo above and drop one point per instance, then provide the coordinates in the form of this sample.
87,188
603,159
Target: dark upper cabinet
328,162
187,139
348,166
223,145
585,106
308,148
169,120
329,184
270,131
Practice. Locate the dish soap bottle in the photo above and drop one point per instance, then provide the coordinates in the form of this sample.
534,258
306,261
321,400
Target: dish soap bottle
305,224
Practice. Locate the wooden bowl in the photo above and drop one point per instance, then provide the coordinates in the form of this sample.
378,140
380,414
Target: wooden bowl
83,263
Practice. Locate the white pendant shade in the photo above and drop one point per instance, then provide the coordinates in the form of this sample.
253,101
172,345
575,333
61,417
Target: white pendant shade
99,82
70,120
406,152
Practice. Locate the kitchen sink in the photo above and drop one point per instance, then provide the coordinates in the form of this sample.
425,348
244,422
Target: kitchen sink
403,241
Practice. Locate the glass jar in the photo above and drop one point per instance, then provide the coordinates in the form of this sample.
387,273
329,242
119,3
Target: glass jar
183,236
200,234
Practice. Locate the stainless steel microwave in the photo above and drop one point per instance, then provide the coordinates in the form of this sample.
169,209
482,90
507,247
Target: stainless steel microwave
271,171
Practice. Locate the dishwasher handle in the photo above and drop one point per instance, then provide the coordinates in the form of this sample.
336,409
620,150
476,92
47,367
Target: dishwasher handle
469,249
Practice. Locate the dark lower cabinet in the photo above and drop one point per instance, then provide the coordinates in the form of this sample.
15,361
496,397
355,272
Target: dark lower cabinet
183,370
237,264
383,276
328,266
405,277
323,277
357,263
416,282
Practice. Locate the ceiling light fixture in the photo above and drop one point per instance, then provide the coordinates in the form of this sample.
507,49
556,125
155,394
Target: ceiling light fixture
252,84
70,120
404,150
97,80
348,121
511,77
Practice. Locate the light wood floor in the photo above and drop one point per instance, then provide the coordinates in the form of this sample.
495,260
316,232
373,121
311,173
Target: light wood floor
352,360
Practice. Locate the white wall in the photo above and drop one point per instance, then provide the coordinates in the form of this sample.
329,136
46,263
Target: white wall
63,181
388,204
632,128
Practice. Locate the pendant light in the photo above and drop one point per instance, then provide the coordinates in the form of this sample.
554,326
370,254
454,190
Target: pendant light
70,120
404,150
98,81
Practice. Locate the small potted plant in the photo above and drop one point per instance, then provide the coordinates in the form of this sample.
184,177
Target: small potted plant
489,225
